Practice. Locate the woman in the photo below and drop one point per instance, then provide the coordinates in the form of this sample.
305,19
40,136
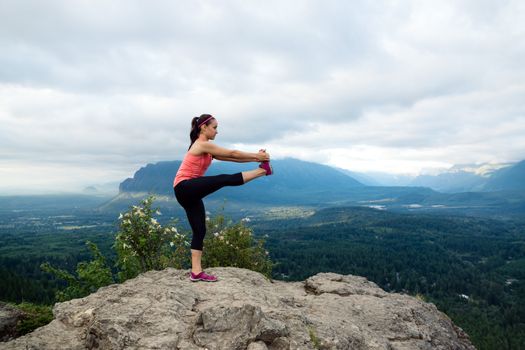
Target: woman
190,184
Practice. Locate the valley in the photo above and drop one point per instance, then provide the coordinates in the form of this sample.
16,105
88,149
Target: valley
472,268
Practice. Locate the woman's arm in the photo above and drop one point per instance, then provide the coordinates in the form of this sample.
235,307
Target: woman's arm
231,155
229,159
239,160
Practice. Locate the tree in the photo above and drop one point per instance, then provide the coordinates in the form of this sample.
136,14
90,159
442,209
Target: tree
90,276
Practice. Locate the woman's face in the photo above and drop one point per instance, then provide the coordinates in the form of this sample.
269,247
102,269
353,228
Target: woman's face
210,130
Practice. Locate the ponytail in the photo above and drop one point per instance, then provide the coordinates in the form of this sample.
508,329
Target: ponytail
196,124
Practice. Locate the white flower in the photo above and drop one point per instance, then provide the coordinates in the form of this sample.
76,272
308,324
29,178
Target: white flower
246,219
216,234
266,252
120,216
172,244
158,212
154,221
173,229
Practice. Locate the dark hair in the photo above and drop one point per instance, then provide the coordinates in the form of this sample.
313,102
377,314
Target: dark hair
195,126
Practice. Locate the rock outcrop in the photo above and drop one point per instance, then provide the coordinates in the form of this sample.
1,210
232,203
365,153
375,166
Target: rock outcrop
244,310
9,319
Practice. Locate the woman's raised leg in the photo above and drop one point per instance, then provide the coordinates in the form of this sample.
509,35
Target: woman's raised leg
253,174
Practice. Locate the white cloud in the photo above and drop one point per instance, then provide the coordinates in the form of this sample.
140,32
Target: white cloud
394,86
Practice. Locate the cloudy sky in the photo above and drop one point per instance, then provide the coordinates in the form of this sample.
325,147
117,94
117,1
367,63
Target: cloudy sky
90,91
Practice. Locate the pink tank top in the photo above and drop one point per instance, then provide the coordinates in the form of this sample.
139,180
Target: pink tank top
192,166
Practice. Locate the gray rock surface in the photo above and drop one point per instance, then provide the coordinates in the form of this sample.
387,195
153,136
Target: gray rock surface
244,310
9,318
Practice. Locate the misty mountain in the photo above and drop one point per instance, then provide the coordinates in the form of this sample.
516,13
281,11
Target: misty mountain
363,178
294,183
460,178
384,179
507,179
293,174
451,182
306,184
105,189
292,180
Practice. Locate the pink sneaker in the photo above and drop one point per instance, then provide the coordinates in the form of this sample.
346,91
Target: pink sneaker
266,166
202,276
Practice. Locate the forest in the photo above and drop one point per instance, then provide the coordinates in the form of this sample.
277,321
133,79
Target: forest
473,269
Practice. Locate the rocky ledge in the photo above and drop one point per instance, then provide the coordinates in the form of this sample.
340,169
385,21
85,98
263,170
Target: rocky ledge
9,318
244,310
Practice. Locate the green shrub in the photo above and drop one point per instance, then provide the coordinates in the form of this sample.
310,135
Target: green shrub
90,276
36,316
233,244
313,338
142,244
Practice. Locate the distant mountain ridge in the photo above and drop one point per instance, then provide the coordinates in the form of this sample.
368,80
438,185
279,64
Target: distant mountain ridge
484,169
292,173
451,182
293,177
507,179
300,183
485,177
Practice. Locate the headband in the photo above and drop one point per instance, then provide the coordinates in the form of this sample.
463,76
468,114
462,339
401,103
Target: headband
204,122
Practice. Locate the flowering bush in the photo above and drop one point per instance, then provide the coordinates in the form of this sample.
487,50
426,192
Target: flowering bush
142,244
229,244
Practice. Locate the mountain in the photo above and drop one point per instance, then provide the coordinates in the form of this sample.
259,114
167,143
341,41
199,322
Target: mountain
305,184
451,182
507,179
365,179
383,179
245,310
459,178
105,189
462,177
293,180
294,183
153,178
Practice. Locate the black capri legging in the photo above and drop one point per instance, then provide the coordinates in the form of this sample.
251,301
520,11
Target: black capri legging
189,194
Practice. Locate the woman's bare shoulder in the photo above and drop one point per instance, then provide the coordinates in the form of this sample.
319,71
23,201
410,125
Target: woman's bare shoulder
197,148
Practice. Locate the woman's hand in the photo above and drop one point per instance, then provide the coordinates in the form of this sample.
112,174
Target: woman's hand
262,156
